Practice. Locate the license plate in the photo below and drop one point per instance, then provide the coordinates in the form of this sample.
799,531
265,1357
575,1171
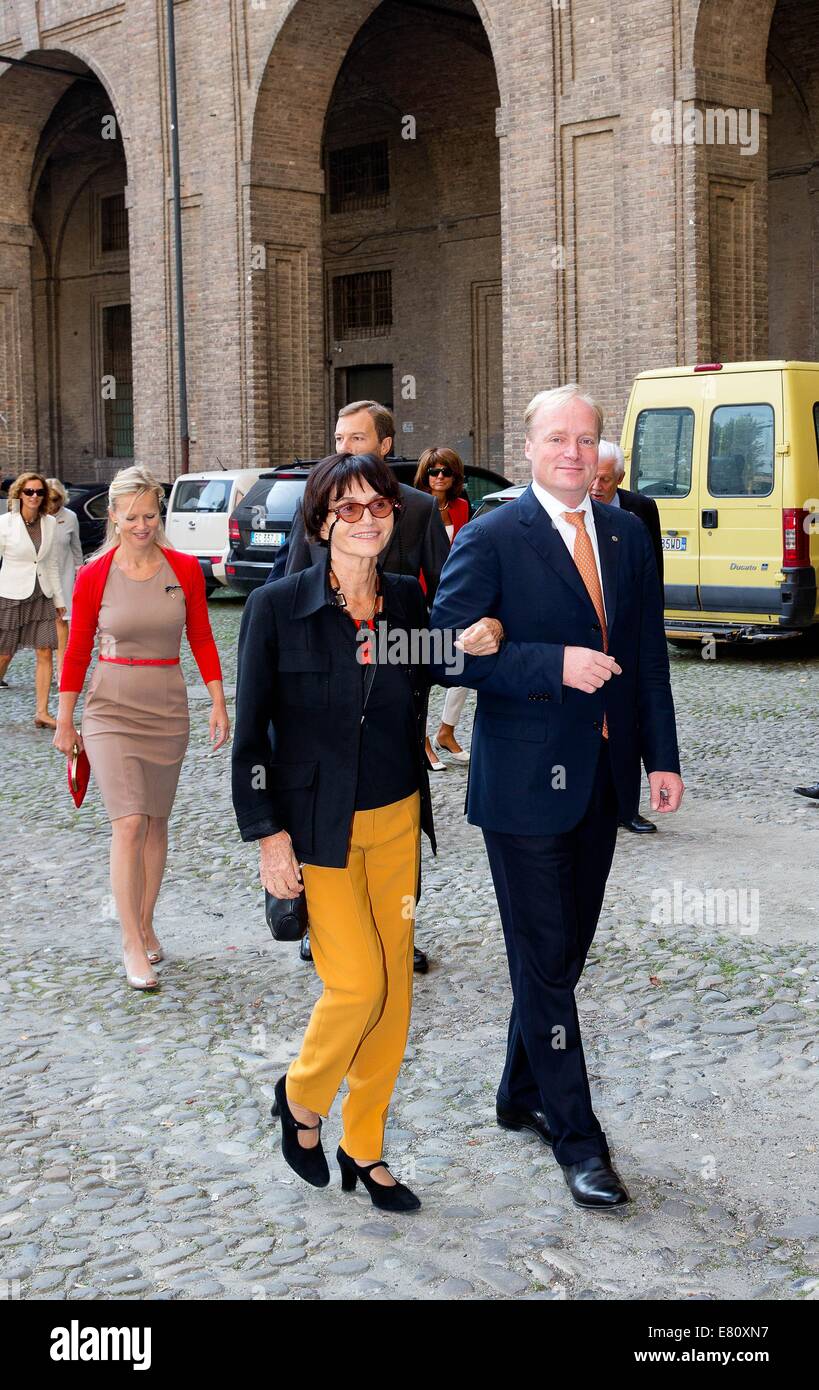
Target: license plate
675,542
267,538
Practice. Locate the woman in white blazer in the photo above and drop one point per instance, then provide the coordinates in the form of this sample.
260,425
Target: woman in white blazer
31,596
69,557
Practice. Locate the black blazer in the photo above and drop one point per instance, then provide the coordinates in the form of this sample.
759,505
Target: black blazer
647,510
419,542
299,697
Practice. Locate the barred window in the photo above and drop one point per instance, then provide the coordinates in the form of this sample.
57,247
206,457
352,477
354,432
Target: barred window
113,223
362,304
359,177
116,362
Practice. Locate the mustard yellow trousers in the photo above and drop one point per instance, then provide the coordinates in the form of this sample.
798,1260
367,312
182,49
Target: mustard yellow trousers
361,935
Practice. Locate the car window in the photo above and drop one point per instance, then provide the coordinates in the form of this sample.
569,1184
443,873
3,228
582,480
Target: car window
200,495
741,451
661,452
278,500
97,507
479,482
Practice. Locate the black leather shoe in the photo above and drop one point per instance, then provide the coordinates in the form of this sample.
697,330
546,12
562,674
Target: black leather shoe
420,963
304,947
594,1185
812,792
509,1117
638,825
310,1164
397,1198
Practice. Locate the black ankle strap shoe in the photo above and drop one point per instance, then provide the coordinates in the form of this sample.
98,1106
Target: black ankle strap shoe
397,1198
310,1164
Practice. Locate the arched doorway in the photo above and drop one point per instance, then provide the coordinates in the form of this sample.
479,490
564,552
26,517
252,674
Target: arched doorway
793,187
375,216
65,328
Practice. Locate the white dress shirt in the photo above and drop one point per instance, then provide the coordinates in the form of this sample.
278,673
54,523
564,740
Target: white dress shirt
615,501
555,509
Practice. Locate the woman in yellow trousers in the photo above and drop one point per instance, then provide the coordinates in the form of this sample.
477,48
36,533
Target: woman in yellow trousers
329,776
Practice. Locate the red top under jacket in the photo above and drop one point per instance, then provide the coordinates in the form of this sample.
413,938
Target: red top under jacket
459,513
85,608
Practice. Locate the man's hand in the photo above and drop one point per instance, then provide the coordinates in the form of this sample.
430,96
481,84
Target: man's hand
587,670
666,791
481,639
279,868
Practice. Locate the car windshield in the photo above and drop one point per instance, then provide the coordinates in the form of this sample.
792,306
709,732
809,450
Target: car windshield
200,495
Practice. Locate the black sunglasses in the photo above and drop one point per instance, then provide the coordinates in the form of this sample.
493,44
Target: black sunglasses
33,492
440,472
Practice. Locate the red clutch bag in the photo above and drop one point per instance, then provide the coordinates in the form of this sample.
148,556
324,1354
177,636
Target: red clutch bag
79,775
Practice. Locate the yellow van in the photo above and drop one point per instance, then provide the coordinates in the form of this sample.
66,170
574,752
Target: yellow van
730,453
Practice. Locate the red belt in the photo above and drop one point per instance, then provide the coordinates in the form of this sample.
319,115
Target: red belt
141,661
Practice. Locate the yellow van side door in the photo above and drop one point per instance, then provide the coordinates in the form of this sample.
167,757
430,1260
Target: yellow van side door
663,436
741,498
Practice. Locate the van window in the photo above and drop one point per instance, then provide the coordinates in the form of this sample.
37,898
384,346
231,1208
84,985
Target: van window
199,495
280,500
661,453
741,451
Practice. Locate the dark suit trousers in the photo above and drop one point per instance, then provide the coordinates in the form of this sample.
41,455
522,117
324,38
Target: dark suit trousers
550,890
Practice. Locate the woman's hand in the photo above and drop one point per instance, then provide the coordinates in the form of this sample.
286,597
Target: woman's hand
483,638
219,724
61,612
65,736
278,866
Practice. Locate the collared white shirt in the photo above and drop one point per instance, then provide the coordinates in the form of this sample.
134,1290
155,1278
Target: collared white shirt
615,501
555,509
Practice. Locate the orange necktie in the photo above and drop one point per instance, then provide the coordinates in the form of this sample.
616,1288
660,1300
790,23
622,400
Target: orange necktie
584,559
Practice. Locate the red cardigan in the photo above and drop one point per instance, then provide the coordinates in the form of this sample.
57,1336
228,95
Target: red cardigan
85,608
459,512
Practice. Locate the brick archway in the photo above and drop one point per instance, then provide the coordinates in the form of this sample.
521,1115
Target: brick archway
291,384
30,253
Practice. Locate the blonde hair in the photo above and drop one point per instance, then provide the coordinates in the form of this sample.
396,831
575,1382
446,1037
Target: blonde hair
132,482
560,395
57,494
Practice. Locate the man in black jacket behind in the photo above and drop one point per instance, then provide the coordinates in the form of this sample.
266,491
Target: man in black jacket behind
606,487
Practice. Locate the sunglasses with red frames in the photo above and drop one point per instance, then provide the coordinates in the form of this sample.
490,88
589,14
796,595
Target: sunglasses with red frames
353,511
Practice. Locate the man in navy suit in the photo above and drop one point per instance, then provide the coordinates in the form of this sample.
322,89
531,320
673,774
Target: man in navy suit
578,694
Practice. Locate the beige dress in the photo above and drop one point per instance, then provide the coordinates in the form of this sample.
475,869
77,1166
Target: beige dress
135,723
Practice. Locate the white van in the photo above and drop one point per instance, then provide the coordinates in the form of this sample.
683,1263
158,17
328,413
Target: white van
197,517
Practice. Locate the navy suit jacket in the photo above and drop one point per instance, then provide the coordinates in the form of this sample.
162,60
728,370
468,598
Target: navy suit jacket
536,742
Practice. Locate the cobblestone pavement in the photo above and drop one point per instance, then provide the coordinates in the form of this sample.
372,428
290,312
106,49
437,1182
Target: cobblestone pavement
138,1159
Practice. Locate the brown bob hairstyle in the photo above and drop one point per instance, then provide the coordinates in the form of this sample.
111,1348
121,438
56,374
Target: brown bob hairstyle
440,458
332,475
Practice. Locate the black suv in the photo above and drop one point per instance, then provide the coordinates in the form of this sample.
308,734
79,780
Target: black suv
261,523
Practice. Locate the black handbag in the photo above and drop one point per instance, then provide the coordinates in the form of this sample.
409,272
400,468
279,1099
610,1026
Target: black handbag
286,917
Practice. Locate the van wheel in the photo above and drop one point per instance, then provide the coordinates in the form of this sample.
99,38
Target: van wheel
210,589
682,642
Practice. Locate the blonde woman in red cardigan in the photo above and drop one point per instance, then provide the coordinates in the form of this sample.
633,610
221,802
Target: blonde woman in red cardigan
139,593
441,472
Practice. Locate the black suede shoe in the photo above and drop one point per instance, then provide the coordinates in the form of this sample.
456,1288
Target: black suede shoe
304,947
638,825
594,1185
420,962
398,1198
510,1117
310,1164
812,792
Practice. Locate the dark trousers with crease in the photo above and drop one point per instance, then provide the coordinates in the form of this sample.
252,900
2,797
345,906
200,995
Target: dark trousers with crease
550,891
